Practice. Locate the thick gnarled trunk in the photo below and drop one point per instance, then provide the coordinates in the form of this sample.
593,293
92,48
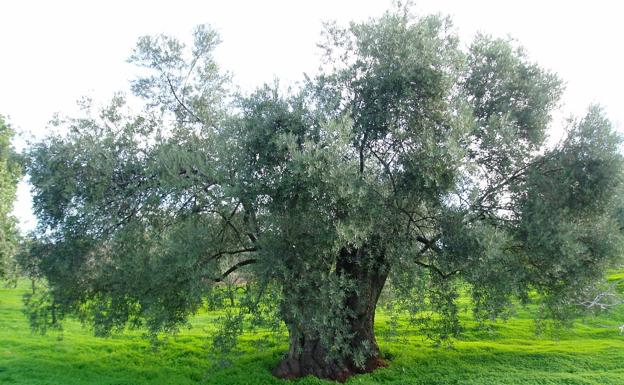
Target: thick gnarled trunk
308,356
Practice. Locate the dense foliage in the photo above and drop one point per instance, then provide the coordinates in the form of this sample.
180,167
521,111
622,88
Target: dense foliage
9,176
408,160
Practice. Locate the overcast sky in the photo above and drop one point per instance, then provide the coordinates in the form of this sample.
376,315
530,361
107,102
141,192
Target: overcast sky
52,52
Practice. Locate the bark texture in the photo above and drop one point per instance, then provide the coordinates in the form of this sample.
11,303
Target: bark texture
308,356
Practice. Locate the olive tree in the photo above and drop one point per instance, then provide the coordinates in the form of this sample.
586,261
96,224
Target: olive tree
409,163
9,176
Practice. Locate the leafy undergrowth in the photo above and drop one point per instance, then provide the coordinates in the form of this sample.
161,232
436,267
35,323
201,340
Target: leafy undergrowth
506,353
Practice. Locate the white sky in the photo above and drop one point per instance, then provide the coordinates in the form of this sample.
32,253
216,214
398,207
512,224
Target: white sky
52,52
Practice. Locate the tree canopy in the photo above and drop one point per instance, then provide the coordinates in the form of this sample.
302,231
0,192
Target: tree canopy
409,163
9,176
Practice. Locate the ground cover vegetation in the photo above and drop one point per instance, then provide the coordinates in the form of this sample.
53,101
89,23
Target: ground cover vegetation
506,353
409,164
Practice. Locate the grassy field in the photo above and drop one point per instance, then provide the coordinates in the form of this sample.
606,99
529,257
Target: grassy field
590,353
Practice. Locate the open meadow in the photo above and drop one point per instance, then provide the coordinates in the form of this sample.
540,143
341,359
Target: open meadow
592,353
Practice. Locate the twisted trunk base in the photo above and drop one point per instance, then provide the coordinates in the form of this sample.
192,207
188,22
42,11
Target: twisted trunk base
311,360
308,356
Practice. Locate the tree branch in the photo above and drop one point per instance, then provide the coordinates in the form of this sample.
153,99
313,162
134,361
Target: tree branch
175,95
429,244
605,299
385,165
361,150
234,268
249,218
231,252
442,274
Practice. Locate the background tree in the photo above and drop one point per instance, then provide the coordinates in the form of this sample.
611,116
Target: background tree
9,176
409,163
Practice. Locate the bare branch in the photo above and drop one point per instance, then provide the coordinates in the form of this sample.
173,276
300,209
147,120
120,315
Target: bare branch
606,299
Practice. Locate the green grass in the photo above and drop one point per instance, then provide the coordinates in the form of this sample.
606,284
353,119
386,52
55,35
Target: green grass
592,353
